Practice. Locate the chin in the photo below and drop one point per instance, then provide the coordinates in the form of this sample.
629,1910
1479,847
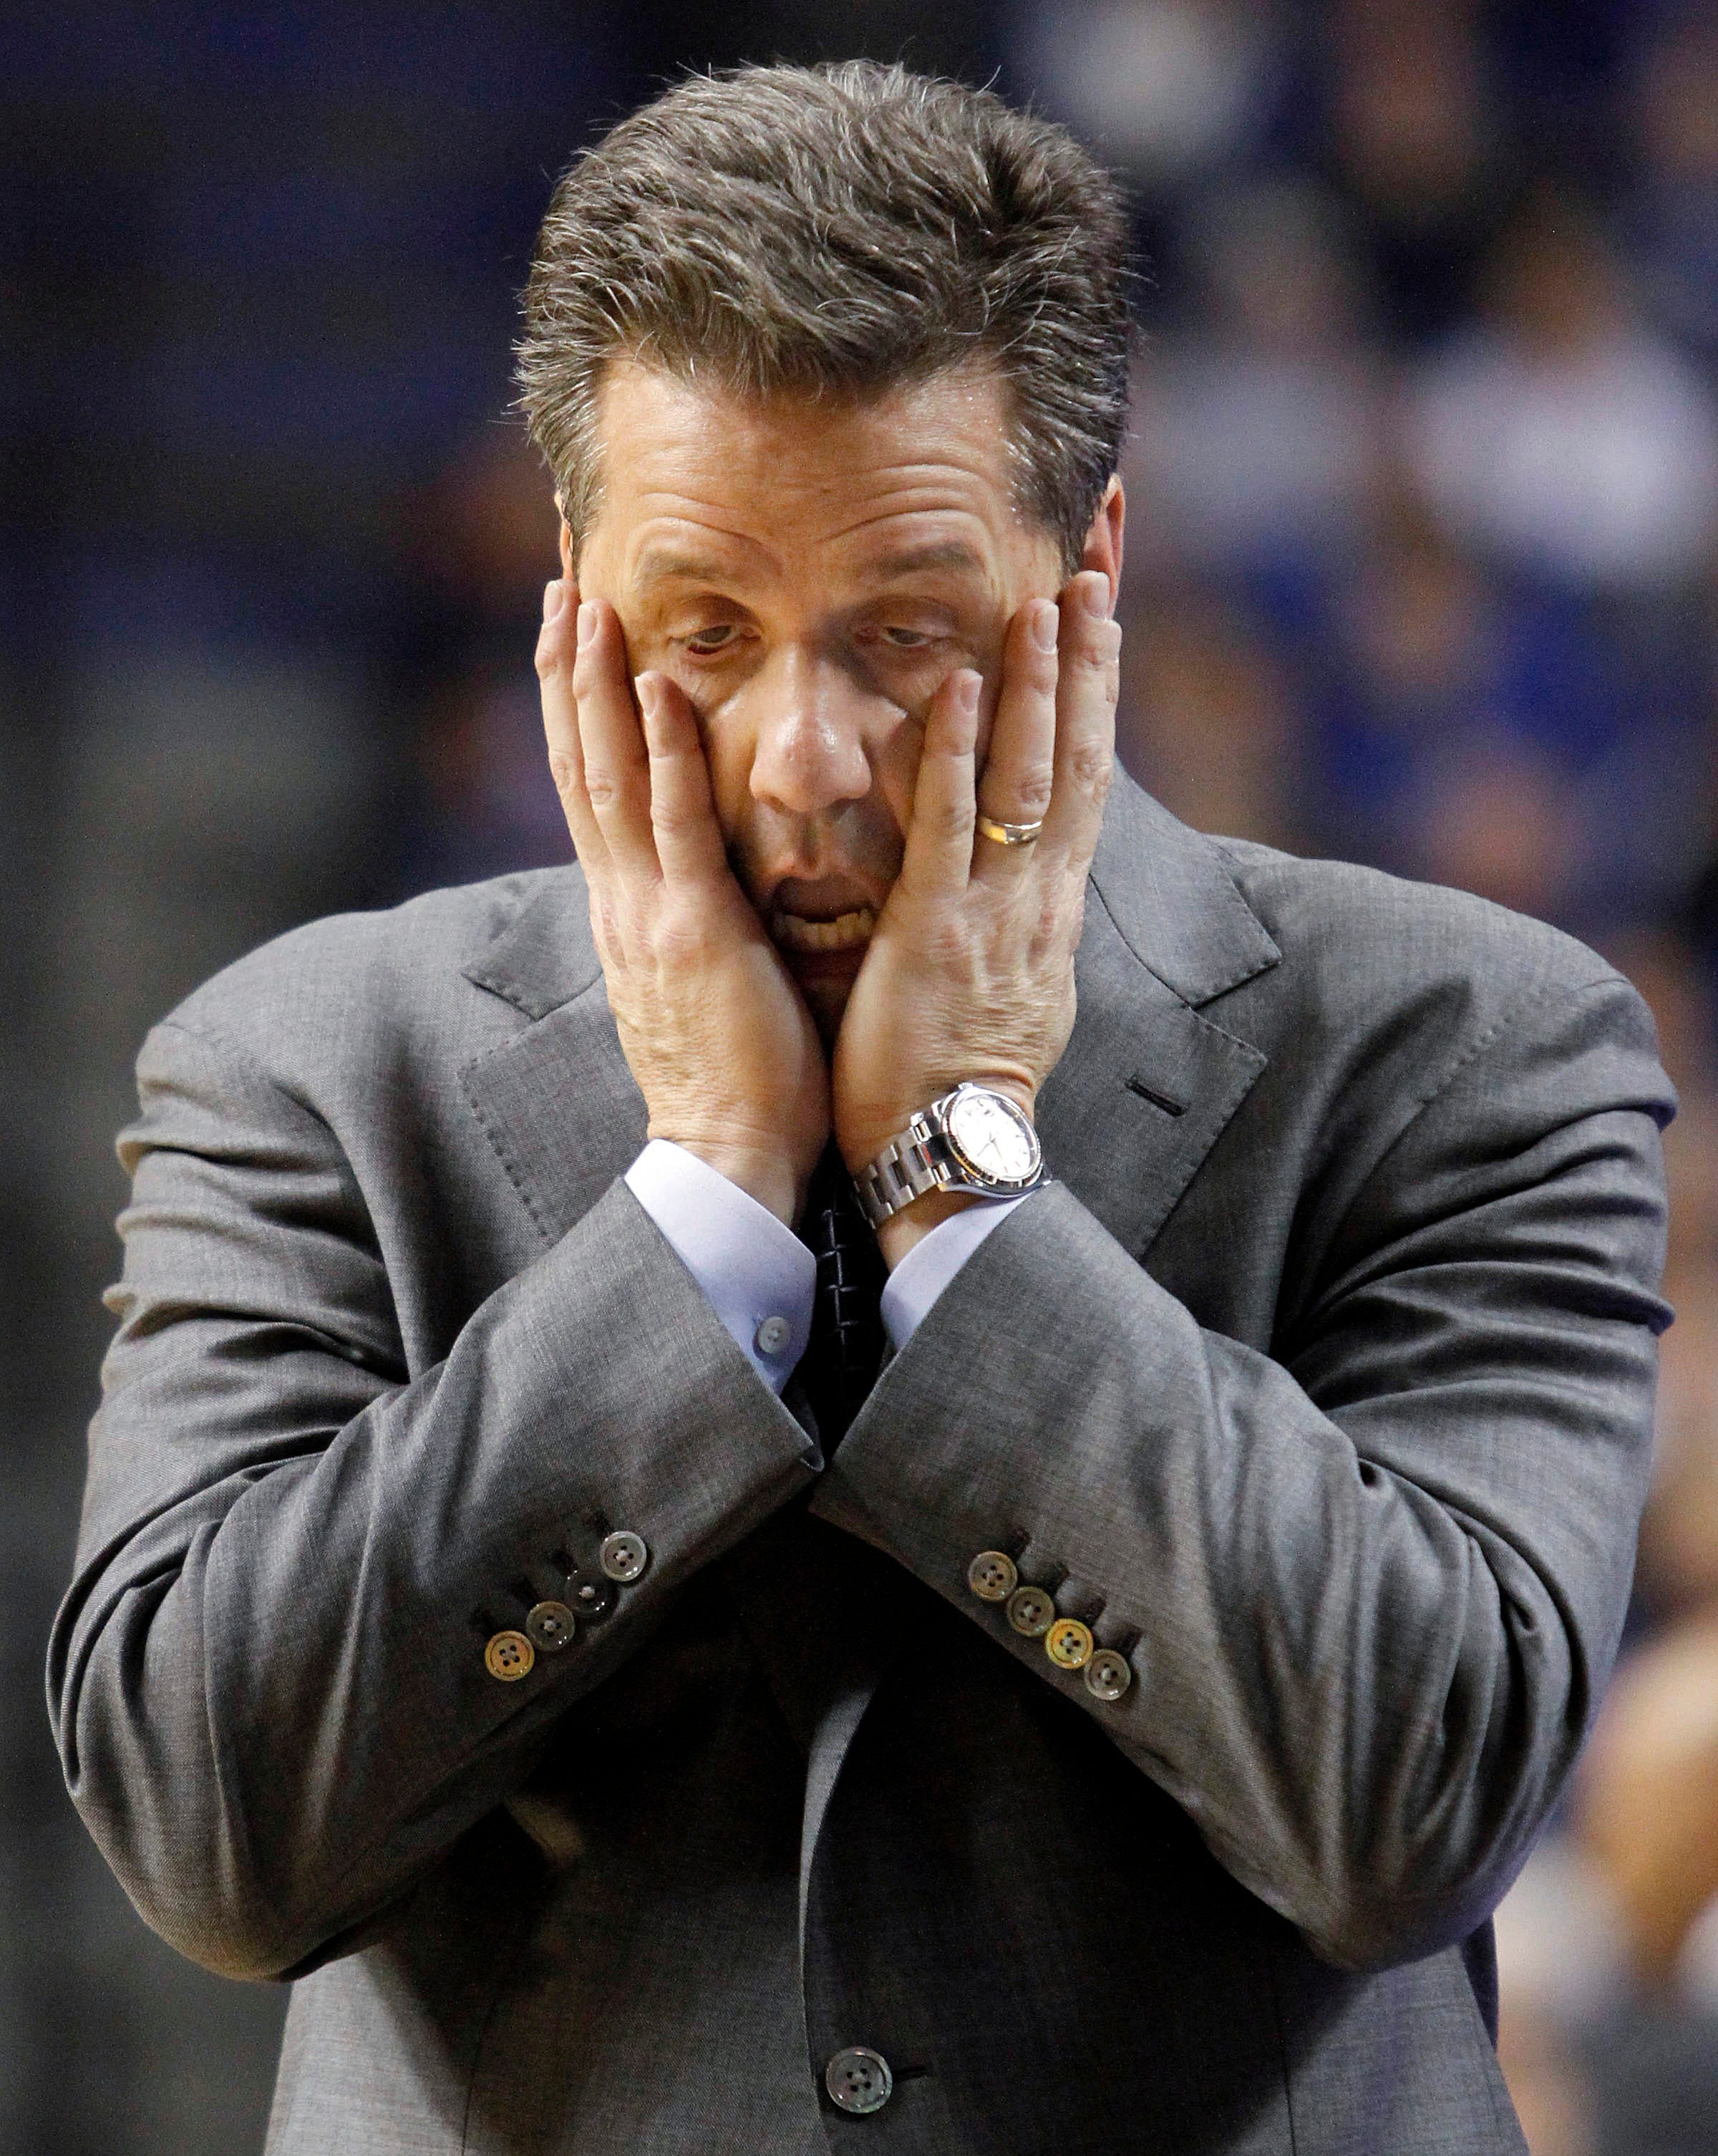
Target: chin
825,980
828,1000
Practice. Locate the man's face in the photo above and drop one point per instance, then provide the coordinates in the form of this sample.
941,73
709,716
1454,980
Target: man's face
810,573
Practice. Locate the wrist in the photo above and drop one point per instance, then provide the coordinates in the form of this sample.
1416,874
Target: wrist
901,1230
862,1136
765,1174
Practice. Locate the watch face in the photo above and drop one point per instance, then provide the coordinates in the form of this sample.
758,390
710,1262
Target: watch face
992,1136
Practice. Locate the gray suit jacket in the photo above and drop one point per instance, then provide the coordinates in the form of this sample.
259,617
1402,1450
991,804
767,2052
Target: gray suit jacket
1319,1382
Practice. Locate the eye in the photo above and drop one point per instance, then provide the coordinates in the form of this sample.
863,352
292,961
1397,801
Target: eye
707,643
908,639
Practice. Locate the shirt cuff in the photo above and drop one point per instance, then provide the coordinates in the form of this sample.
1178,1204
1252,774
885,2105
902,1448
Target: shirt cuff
756,1275
932,1262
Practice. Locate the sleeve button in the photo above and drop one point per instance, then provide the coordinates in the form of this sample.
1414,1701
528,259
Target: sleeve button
1031,1612
623,1556
509,1656
1069,1644
991,1576
1108,1675
551,1626
591,1596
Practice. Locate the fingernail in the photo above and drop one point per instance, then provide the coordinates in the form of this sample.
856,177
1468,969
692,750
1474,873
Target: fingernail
1094,595
553,594
587,622
649,691
967,686
1043,626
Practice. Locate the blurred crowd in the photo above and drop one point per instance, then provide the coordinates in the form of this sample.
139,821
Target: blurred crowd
1423,571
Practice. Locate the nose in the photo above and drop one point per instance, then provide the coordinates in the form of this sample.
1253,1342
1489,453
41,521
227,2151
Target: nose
812,751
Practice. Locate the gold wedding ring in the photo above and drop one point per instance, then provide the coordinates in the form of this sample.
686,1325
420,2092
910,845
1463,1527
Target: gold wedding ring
1009,834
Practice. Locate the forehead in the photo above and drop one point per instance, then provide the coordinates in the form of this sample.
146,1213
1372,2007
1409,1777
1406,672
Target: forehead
927,463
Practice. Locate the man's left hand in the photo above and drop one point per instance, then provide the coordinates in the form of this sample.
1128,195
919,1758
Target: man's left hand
970,972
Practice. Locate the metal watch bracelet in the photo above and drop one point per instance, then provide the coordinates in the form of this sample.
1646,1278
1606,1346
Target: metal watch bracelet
934,1153
910,1165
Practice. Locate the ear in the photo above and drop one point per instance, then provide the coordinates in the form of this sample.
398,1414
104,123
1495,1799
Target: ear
567,560
1103,542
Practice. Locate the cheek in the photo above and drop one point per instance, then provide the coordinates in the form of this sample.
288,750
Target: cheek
894,766
728,751
895,760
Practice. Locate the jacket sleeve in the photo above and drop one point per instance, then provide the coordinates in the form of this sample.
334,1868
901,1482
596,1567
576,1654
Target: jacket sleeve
268,1681
1370,1585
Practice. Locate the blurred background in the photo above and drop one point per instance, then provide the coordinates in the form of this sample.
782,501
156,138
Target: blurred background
1423,571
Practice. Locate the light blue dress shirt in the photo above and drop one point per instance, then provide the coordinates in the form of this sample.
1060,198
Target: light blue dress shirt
761,1280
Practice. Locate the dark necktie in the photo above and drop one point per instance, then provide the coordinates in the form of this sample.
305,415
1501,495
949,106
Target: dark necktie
841,1363
808,1594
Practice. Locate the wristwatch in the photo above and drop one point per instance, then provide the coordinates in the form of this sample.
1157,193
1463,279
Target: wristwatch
973,1138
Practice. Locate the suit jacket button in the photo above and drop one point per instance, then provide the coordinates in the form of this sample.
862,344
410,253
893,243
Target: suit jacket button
623,1556
1069,1644
991,1576
1108,1675
859,2080
592,1597
509,1656
1031,1612
551,1626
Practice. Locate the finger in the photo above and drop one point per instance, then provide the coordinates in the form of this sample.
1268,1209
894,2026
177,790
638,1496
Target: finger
938,853
617,768
689,840
1015,783
1085,719
567,763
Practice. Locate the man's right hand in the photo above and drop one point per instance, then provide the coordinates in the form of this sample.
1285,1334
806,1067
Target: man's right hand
717,1034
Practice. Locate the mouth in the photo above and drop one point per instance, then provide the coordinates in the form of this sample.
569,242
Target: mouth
823,923
850,930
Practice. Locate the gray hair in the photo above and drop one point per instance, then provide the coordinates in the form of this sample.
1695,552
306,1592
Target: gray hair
836,231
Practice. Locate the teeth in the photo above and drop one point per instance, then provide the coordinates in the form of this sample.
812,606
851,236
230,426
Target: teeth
842,934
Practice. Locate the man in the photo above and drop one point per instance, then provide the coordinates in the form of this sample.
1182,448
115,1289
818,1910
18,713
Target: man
1112,1729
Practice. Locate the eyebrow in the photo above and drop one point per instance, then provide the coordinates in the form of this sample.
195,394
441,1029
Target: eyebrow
662,562
659,561
934,554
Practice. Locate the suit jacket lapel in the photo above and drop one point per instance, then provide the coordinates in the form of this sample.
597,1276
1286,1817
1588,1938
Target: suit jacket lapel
558,1102
1148,1083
